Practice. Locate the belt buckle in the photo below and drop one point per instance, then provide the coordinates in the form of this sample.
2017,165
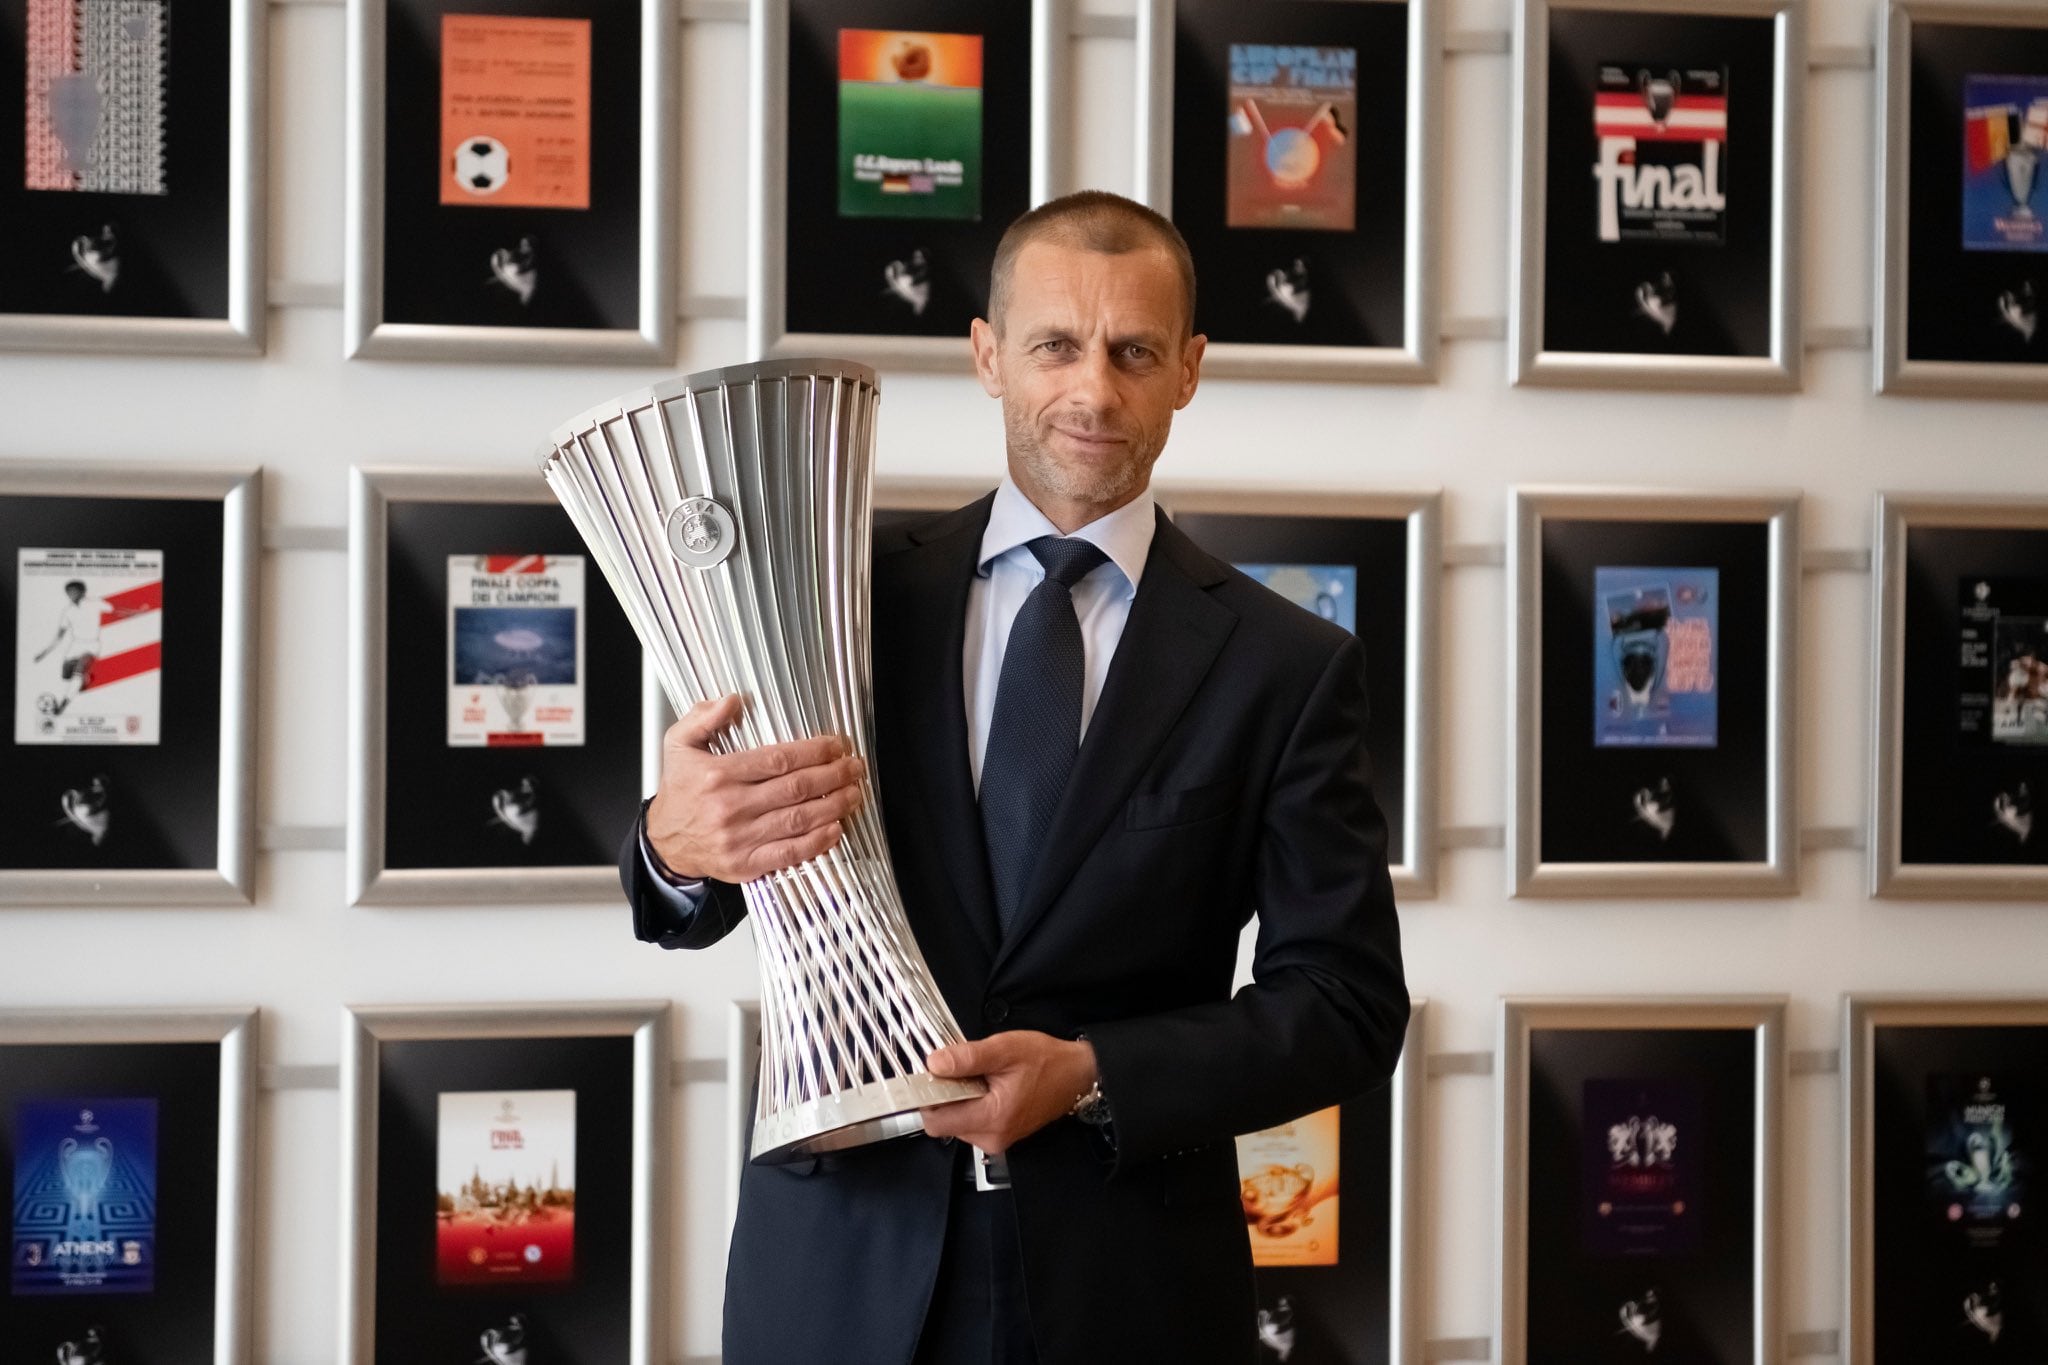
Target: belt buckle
990,1172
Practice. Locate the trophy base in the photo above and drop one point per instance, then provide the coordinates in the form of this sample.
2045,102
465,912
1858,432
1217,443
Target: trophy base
853,1118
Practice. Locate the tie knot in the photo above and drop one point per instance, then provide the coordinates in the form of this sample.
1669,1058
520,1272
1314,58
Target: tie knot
1066,560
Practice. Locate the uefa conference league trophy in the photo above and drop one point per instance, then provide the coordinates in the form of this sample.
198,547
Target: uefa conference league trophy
730,513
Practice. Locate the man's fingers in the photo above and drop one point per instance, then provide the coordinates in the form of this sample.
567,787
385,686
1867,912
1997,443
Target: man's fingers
801,786
966,1059
960,1117
705,721
787,853
771,761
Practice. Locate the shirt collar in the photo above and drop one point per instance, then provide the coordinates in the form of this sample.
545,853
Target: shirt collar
1125,535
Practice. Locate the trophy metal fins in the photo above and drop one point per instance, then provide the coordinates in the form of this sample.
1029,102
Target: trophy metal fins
730,511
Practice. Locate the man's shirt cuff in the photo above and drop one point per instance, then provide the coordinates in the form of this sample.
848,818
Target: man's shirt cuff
686,893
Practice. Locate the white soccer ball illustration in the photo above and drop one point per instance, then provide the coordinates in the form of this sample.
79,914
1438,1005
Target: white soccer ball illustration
482,165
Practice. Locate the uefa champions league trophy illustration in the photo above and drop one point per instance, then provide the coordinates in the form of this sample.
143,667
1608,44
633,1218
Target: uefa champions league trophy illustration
730,511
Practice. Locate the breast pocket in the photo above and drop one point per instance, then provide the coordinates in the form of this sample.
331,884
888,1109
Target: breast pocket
1164,810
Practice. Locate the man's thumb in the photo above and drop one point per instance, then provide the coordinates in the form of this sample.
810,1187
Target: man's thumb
705,721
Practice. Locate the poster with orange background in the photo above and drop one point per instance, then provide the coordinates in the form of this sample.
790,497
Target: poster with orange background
515,111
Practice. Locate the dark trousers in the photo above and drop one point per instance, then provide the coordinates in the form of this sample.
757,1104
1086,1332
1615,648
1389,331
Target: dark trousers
978,1312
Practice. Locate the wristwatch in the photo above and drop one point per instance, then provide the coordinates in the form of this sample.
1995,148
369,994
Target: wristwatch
1091,1106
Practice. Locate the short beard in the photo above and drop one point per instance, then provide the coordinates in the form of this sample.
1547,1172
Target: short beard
1112,486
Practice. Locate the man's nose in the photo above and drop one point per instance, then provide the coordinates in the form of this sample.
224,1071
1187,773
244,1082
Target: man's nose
1094,379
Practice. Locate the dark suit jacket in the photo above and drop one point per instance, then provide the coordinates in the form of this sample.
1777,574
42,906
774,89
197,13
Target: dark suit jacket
1223,773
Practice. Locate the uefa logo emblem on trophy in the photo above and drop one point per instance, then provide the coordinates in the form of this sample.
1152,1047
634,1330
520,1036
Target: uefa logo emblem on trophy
700,532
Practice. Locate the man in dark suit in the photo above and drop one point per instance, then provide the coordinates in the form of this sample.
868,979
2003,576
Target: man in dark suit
1102,752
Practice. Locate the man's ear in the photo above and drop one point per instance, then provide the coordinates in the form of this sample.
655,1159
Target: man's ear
1190,369
987,349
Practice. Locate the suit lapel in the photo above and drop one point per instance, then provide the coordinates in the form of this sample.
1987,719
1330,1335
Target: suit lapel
1172,637
930,698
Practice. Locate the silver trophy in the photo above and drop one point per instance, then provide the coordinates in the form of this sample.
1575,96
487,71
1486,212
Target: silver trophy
2022,163
730,513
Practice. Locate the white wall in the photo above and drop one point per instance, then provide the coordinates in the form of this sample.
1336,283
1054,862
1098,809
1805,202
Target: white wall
306,415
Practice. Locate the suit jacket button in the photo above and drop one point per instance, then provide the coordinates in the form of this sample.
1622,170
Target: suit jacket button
997,1009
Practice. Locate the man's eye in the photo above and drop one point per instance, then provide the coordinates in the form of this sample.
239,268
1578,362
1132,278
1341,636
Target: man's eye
1053,346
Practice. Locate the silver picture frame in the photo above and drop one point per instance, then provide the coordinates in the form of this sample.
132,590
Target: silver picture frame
235,1032
1530,873
768,189
232,878
366,333
1862,1017
1415,360
1520,1017
365,1029
372,491
1415,875
1896,373
1891,876
1529,361
242,331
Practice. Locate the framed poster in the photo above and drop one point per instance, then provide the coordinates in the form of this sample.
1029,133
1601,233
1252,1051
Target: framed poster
1651,645
1373,564
1946,1103
1641,1180
893,142
511,191
131,176
1294,145
1332,1205
505,727
127,1145
130,742
1962,207
1961,750
1658,194
505,1183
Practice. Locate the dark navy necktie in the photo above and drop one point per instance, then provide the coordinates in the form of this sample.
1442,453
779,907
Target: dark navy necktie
1036,729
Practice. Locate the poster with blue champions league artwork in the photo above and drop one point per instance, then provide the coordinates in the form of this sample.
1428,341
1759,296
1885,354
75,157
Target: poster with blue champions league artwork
1656,643
1328,590
515,650
84,1197
1977,1163
2005,142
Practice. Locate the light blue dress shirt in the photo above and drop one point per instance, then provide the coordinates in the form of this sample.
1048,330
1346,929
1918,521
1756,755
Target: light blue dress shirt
1006,572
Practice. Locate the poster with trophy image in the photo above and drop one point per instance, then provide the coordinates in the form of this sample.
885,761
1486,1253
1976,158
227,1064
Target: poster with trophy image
515,649
1964,195
128,218
502,716
1641,1203
1284,141
85,1196
89,646
1948,1100
1660,150
127,1142
1961,728
1651,641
